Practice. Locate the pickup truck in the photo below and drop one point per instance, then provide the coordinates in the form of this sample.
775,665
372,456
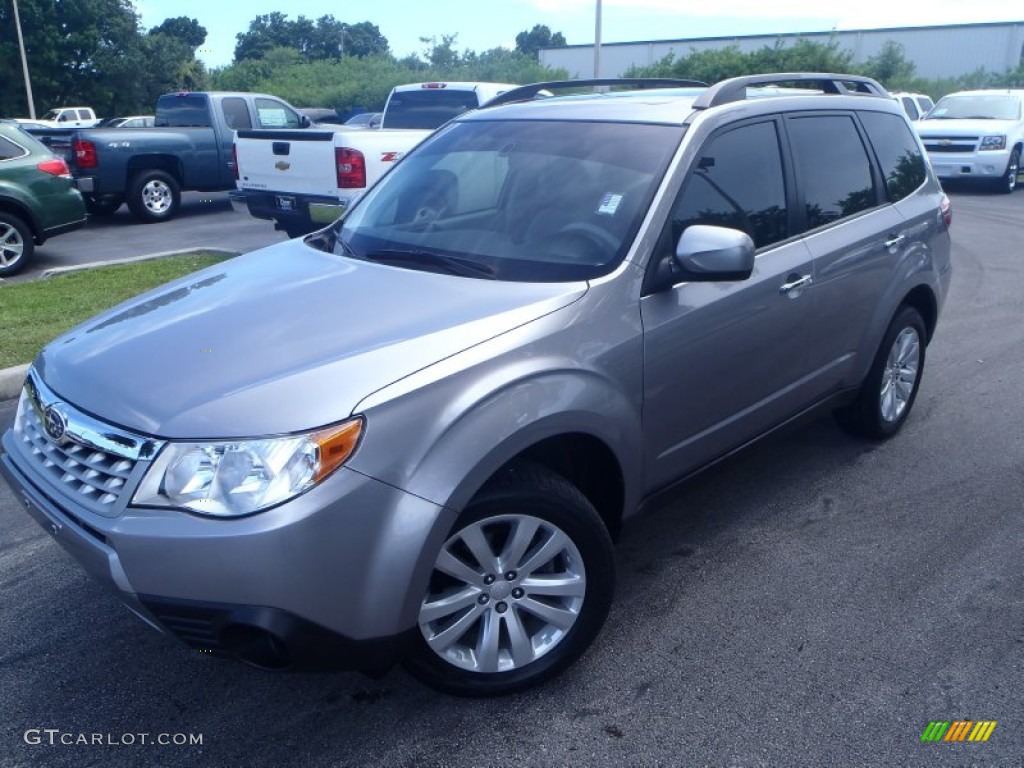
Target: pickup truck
189,148
64,117
306,180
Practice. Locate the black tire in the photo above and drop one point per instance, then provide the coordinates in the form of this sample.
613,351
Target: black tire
104,206
525,492
16,244
154,196
867,415
1008,181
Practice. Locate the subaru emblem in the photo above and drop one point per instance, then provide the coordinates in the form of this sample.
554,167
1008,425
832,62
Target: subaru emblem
55,424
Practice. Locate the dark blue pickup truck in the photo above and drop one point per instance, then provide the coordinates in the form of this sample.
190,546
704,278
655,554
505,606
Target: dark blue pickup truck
189,148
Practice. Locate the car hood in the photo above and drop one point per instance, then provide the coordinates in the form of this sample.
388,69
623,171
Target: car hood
928,128
284,339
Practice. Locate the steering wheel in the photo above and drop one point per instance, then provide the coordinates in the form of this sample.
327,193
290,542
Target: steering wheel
583,239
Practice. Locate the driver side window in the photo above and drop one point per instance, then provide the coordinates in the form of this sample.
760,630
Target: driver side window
736,182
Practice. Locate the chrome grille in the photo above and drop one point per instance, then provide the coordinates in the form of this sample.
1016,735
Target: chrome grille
951,143
84,472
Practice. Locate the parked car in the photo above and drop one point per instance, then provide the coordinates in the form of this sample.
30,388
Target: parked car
38,199
189,148
916,105
415,433
977,136
365,119
321,115
132,121
66,117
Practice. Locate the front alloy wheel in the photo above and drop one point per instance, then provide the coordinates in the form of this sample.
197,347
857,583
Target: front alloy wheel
16,244
519,589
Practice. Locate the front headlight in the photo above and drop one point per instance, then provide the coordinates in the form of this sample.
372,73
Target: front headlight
238,477
993,142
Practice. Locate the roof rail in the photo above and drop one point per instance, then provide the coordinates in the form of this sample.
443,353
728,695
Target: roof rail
735,88
528,92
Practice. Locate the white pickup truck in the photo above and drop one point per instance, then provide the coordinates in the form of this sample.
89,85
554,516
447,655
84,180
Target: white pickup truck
64,117
303,180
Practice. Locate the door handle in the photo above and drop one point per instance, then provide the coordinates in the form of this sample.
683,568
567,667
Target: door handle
895,242
794,284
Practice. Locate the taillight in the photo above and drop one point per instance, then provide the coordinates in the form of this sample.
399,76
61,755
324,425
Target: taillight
946,209
55,167
351,167
234,159
85,153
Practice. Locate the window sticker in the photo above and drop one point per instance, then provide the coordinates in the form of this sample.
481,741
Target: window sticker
609,205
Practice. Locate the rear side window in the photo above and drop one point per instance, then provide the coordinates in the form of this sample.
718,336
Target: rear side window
83,114
427,108
182,110
9,150
833,168
737,183
910,107
236,113
897,151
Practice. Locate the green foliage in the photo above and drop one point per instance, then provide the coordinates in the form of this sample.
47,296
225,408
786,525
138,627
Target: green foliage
325,38
539,37
93,52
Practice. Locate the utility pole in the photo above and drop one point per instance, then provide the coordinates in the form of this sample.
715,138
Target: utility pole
597,42
25,62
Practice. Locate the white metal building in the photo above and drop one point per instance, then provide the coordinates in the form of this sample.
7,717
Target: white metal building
941,51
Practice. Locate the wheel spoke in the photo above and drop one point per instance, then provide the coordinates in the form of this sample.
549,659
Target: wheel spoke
442,640
451,565
446,606
522,648
556,543
526,529
474,538
887,405
487,644
559,617
561,585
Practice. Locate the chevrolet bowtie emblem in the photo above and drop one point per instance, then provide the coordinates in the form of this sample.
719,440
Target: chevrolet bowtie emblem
943,143
281,165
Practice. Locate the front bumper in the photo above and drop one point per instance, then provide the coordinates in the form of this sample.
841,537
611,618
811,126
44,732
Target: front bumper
331,579
970,165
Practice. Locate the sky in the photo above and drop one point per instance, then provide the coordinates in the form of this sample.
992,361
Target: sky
481,25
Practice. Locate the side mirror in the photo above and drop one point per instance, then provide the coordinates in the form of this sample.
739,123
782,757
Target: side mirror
304,121
712,254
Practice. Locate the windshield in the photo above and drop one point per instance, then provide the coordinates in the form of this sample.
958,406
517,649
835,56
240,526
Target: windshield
997,106
53,114
528,201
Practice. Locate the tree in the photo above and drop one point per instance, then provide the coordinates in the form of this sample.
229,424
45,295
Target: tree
189,31
539,37
890,66
325,38
365,39
441,55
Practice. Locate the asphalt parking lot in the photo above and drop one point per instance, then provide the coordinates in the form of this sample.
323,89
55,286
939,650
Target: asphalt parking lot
815,601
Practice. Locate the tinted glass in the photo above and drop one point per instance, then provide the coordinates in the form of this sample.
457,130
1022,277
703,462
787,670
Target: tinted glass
897,153
9,150
737,183
925,103
182,110
428,108
910,107
236,113
833,167
976,107
532,201
275,114
83,114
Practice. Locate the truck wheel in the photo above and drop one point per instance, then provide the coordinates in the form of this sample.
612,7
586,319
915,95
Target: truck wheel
16,244
1008,181
103,206
154,196
518,591
890,388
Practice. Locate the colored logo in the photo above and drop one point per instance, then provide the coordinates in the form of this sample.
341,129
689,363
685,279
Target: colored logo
958,730
55,424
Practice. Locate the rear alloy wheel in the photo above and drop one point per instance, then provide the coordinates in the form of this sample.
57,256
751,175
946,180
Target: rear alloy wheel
16,244
518,591
890,388
154,196
1008,182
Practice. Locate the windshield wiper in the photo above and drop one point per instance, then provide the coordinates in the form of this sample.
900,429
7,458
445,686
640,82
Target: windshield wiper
453,264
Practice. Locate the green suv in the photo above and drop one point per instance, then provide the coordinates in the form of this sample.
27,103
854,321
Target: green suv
38,198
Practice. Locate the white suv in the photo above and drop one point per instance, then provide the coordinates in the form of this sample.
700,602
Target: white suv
916,105
977,135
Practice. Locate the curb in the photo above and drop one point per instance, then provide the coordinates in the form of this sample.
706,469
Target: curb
12,378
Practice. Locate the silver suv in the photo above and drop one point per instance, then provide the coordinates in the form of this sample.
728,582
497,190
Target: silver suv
414,434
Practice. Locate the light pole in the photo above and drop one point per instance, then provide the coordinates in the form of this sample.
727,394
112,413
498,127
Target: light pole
24,63
597,41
